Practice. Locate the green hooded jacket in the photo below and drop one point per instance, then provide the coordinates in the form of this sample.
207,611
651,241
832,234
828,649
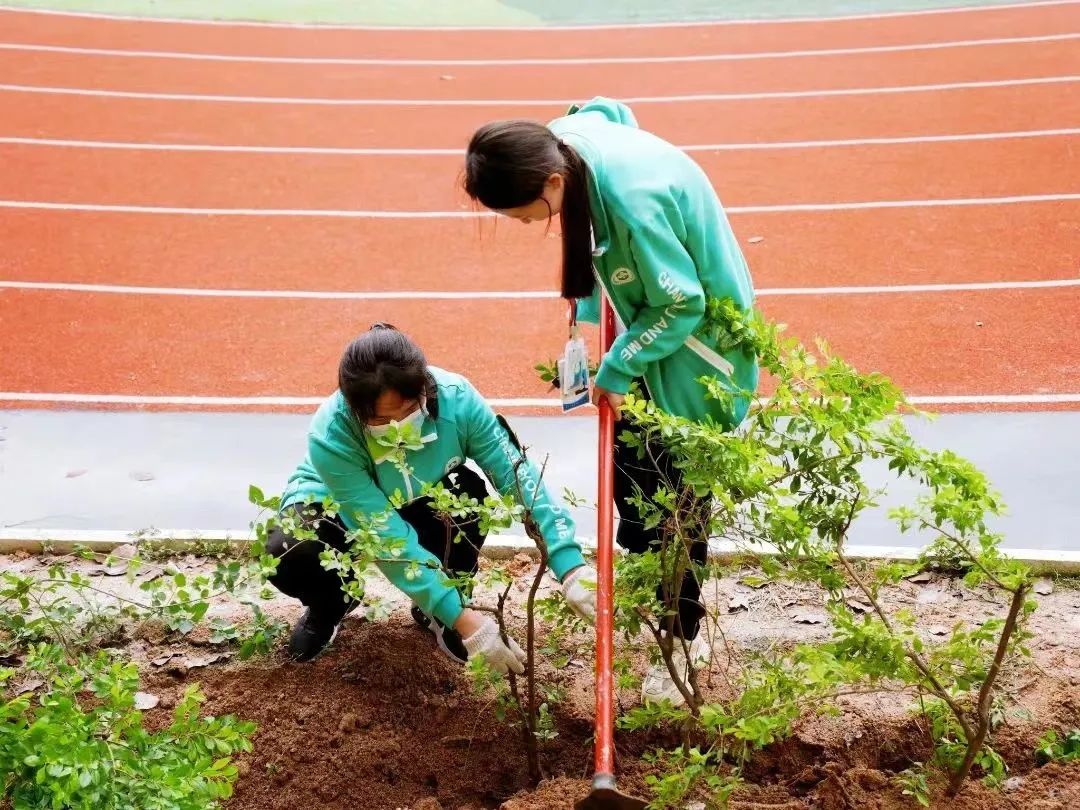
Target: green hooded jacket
663,247
344,464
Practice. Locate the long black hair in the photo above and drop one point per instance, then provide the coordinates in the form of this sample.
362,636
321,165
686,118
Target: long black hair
384,359
507,165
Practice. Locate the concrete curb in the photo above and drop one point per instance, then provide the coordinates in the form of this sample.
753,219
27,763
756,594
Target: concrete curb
498,547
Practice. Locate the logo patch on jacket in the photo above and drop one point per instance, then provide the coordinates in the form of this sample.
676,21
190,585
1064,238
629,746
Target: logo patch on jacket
452,465
624,275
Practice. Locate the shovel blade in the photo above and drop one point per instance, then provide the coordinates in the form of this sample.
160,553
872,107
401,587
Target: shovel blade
605,796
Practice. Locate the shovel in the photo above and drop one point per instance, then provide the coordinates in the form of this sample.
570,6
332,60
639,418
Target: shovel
604,794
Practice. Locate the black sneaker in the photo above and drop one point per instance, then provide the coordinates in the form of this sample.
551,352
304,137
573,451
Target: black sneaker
311,636
447,638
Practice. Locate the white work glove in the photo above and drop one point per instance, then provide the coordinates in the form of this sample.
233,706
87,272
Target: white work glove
487,642
579,588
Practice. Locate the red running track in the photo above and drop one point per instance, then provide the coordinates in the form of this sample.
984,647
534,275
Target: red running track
984,342
833,248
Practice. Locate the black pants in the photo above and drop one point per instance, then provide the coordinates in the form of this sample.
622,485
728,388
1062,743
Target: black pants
300,574
648,475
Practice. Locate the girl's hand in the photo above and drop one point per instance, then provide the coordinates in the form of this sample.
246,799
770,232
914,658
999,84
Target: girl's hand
579,588
469,622
486,642
615,400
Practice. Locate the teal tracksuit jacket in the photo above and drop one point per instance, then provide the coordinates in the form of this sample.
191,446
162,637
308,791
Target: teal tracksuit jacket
342,463
663,247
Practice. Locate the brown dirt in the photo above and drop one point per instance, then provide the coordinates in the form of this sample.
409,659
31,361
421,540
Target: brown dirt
384,721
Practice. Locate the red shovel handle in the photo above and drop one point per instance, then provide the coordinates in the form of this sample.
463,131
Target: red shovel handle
605,574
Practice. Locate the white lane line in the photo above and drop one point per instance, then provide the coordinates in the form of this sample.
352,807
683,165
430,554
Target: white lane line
361,214
552,29
507,295
877,289
390,151
321,295
531,102
273,401
30,47
505,402
244,212
996,399
859,206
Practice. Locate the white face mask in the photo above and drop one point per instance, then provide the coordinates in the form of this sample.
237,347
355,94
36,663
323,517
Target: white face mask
416,419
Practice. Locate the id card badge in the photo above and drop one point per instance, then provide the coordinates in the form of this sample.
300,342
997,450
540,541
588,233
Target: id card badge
574,373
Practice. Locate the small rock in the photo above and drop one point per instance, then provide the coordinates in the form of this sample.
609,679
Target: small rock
740,600
696,806
142,475
117,562
446,77
978,323
921,577
462,741
753,240
74,473
808,617
164,659
939,630
1044,586
305,757
144,701
349,722
197,662
859,606
1013,783
29,685
428,803
521,564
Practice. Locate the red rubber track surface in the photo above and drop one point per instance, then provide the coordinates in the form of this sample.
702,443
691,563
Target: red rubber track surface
987,23
929,343
150,75
417,183
984,342
949,112
833,248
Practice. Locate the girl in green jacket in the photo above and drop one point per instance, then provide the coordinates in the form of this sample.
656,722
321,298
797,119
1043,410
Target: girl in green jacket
384,380
642,225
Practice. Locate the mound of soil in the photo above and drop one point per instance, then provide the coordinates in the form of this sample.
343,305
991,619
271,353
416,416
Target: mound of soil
383,720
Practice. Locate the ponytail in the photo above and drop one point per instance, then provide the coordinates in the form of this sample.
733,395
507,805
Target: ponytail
577,265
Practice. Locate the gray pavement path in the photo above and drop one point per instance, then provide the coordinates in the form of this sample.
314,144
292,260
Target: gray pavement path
124,471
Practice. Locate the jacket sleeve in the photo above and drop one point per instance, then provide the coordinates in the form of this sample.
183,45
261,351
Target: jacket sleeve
588,309
346,476
674,298
492,447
